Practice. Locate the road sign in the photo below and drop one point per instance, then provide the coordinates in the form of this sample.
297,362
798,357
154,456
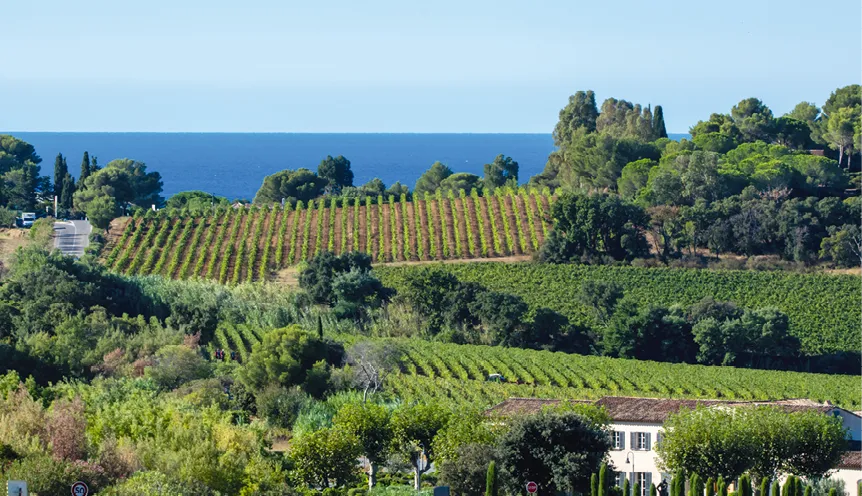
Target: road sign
16,488
532,487
80,489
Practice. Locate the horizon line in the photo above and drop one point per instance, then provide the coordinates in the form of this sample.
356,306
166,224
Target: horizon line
283,132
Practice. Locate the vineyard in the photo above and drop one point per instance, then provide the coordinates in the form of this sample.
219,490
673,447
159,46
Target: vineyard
246,244
823,309
457,373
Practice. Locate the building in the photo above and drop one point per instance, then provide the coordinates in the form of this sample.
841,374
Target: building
636,425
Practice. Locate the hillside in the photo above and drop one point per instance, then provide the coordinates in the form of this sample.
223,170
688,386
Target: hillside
251,244
823,309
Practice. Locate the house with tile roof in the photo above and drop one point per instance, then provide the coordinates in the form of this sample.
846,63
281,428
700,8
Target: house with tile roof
637,426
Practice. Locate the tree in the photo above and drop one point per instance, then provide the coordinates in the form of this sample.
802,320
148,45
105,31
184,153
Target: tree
177,364
659,130
754,120
715,142
68,190
491,482
22,185
320,274
633,177
430,180
602,297
291,186
370,425
60,171
286,357
580,112
604,480
793,133
841,129
556,450
397,189
627,487
336,171
371,362
843,246
197,202
85,168
460,181
415,427
124,181
100,210
468,473
501,171
325,457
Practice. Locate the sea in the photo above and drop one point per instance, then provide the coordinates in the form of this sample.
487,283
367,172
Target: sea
233,165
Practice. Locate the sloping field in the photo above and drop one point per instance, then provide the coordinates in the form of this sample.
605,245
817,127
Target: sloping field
250,244
823,308
456,373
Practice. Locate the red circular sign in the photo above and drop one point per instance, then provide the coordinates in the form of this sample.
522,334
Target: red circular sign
80,489
532,487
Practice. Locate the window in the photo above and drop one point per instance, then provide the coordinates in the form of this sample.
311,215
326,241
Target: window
619,479
641,441
644,479
617,442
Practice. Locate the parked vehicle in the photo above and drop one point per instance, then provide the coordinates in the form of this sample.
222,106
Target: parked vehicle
27,219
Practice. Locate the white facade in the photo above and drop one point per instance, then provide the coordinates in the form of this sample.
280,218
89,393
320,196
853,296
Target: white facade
635,442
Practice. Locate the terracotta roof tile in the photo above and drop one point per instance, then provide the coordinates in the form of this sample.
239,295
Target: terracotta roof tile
851,460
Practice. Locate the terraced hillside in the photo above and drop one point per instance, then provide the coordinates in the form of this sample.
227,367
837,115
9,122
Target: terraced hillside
250,244
823,309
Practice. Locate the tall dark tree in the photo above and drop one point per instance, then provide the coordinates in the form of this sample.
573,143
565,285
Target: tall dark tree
68,190
85,168
336,171
60,171
581,112
658,127
500,171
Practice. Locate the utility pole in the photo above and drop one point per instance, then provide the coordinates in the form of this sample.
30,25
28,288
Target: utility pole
55,206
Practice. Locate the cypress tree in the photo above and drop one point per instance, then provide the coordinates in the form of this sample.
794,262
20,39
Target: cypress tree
491,480
776,489
808,490
594,485
696,485
627,488
637,489
797,486
68,191
85,168
60,170
744,486
658,123
710,487
320,328
722,487
764,487
652,490
833,492
603,480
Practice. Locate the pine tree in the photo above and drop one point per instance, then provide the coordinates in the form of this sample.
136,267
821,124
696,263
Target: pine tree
320,328
85,168
68,191
627,488
658,123
594,485
94,166
60,170
491,480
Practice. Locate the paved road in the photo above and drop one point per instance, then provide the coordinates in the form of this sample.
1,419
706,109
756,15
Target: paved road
71,237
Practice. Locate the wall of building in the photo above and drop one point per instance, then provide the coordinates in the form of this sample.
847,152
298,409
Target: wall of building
644,460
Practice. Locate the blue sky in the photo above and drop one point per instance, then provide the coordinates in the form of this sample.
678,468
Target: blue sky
406,66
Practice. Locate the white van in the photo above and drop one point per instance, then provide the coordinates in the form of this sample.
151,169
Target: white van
27,219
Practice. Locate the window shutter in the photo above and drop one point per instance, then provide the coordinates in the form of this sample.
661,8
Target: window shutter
659,437
648,446
634,440
647,482
622,440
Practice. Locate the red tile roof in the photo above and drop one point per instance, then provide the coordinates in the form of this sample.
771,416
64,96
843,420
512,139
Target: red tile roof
851,460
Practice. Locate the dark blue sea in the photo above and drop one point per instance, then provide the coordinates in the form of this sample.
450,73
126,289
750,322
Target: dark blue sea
234,164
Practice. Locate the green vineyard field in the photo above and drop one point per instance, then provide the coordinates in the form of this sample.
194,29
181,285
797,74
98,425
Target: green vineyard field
823,308
239,245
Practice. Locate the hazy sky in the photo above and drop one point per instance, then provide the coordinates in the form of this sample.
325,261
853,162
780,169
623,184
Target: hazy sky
408,66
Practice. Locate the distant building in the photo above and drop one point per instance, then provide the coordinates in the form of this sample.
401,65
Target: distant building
819,153
636,426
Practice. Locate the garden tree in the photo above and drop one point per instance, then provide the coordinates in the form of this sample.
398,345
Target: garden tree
85,168
460,181
604,480
764,440
430,180
722,486
288,356
556,450
336,171
175,365
68,190
370,425
594,484
491,480
370,362
60,171
469,474
744,486
633,177
291,186
415,427
715,142
325,458
627,488
696,485
652,490
658,127
196,201
597,225
503,170
842,129
397,189
754,120
580,112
